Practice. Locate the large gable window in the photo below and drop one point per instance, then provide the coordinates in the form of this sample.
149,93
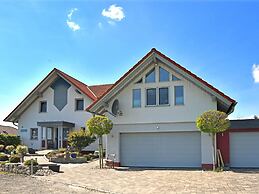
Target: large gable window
136,98
178,95
163,96
79,104
163,75
43,106
174,78
150,76
151,96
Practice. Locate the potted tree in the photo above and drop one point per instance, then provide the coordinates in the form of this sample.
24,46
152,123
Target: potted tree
99,126
213,122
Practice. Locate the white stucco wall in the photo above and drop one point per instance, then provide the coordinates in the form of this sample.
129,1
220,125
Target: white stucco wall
32,115
161,118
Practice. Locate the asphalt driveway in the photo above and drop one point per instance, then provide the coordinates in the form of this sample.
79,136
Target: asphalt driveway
156,181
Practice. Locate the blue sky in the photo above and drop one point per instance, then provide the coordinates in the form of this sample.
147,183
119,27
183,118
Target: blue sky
98,41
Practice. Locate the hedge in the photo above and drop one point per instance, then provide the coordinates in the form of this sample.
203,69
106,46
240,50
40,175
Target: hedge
9,140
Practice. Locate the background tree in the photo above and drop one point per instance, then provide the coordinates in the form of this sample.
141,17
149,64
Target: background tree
213,122
79,139
99,126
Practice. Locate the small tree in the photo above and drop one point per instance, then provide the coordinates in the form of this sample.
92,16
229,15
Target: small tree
80,139
99,126
21,150
213,122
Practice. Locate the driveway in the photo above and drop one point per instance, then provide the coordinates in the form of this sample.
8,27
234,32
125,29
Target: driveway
156,181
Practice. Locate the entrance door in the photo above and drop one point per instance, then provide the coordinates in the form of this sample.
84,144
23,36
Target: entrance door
50,142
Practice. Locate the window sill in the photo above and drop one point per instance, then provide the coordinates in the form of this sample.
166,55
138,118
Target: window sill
158,105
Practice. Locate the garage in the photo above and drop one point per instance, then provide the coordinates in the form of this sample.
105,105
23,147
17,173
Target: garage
244,149
161,149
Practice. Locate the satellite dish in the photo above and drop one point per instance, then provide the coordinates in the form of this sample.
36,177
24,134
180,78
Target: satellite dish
115,107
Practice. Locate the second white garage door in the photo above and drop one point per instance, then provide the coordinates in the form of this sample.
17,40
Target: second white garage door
176,149
244,149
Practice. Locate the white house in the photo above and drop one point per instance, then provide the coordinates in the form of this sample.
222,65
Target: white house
156,104
153,106
54,107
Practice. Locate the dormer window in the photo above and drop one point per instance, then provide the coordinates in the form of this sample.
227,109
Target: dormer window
151,76
163,75
43,106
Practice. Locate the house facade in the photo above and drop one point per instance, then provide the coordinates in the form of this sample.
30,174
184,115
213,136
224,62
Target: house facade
159,102
153,106
54,108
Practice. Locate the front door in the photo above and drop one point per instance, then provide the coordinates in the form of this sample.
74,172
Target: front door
50,142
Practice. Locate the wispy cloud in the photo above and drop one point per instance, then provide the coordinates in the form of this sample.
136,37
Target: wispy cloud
255,72
71,24
100,25
114,13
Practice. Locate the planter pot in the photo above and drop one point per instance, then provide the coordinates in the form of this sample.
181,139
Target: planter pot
73,155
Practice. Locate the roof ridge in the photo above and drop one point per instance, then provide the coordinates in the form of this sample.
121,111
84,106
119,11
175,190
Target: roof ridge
99,85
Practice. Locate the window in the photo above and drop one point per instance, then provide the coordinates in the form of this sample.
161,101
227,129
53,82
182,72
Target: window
163,96
65,133
43,106
174,78
34,133
49,133
151,76
178,95
79,104
151,96
136,98
139,81
163,75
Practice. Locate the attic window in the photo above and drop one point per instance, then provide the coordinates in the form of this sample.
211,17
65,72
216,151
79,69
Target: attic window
139,81
150,76
163,75
174,78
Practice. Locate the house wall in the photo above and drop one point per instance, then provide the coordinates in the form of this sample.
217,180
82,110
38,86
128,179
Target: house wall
32,115
168,118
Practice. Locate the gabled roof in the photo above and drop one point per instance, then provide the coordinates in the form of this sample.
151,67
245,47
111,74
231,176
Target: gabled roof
99,90
151,56
93,92
8,130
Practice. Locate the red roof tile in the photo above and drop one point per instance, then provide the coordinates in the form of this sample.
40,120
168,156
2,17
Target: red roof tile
99,90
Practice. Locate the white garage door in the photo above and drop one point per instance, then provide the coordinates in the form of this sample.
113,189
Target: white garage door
244,149
177,149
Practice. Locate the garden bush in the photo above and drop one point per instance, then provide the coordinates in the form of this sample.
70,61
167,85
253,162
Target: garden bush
6,140
28,162
3,157
14,158
1,147
9,148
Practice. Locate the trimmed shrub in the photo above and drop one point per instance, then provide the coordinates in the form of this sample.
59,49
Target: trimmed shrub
22,149
79,139
28,162
1,147
6,139
14,159
10,148
3,157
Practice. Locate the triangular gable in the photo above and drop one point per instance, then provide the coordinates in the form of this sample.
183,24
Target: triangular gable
40,88
150,57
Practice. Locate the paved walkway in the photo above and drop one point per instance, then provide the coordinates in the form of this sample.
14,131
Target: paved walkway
157,181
